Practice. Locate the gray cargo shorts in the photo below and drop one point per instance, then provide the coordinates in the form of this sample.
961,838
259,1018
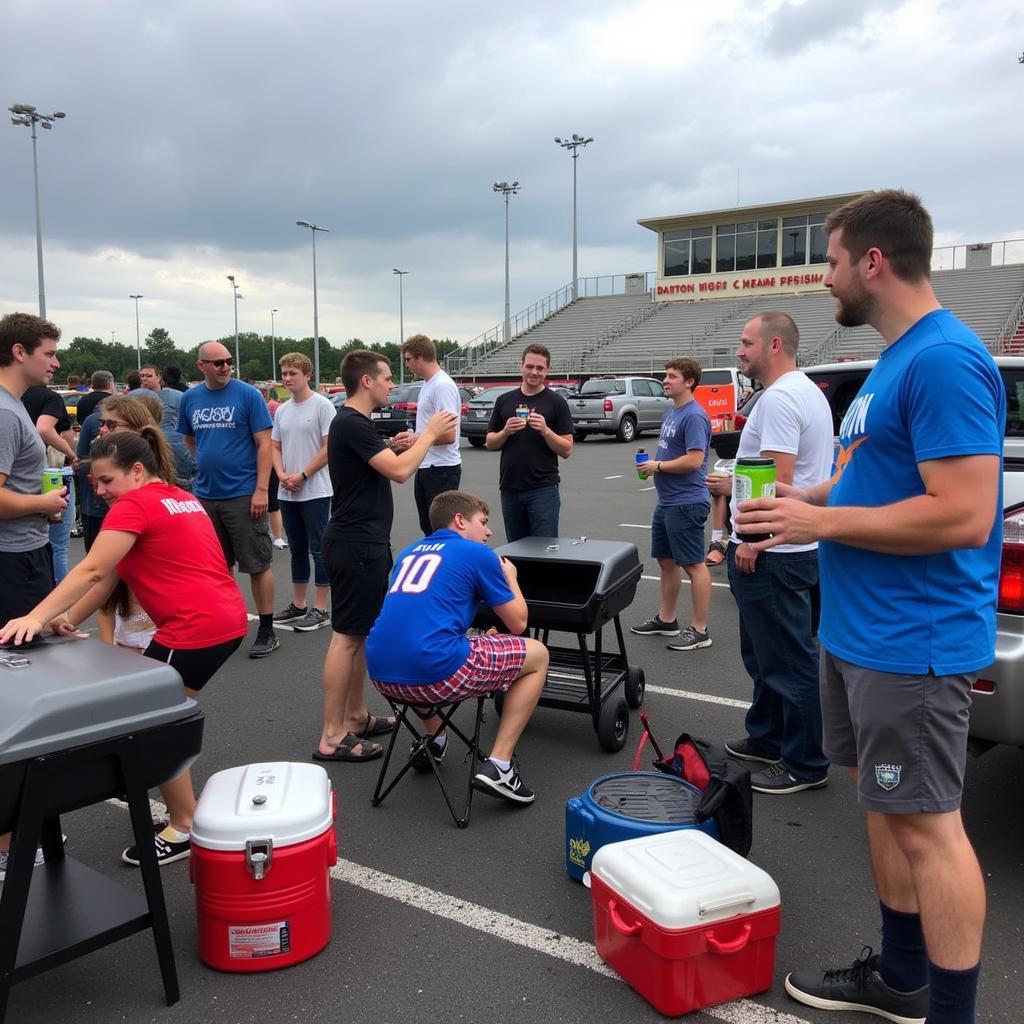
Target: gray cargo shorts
906,735
244,540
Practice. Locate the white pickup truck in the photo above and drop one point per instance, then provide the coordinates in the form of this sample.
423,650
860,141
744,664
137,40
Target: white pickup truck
623,406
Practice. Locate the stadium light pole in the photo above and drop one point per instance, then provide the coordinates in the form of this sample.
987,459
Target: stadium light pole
507,189
237,295
27,115
273,349
401,324
138,336
313,229
573,145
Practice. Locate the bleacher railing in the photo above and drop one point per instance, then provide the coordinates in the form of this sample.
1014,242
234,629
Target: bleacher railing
1009,329
954,257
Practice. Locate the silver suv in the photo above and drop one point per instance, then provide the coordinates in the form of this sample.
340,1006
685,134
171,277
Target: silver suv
997,711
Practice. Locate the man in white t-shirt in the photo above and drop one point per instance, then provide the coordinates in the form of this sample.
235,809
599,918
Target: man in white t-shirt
299,443
775,590
441,469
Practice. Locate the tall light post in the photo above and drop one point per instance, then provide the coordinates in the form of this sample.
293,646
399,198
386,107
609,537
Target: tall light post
573,145
507,189
401,324
313,229
26,114
273,349
138,336
238,295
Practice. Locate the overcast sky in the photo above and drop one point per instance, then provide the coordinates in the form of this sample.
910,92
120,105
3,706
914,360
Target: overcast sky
197,134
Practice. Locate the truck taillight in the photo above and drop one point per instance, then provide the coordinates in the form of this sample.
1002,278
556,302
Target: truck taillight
1011,569
608,405
738,420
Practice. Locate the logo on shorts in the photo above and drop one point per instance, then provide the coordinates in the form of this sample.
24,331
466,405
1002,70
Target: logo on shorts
888,775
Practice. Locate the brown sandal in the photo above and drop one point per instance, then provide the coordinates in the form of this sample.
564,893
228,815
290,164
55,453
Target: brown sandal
715,548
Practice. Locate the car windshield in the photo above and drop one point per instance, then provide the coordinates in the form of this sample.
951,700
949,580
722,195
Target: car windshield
490,396
600,386
404,393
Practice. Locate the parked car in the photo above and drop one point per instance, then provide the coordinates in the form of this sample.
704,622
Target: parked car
338,398
476,414
623,406
400,411
726,442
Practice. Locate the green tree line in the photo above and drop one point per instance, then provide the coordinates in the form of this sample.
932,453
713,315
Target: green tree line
83,355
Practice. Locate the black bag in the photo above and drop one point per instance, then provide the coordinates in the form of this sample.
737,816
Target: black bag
725,785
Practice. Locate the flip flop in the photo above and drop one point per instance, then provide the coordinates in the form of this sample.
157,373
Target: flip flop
351,748
718,548
376,726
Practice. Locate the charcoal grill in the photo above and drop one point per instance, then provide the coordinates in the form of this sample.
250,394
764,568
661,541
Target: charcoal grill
578,585
80,722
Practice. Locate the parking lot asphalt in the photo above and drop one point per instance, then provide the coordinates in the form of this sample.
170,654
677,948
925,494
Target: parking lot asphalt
482,924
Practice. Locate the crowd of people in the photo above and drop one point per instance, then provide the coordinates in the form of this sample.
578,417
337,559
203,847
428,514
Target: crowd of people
900,537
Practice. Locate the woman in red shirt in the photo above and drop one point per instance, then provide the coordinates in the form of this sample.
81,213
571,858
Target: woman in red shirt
199,613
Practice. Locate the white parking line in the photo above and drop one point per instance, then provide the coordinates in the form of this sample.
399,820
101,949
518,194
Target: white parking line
511,929
637,526
686,579
646,489
619,477
708,698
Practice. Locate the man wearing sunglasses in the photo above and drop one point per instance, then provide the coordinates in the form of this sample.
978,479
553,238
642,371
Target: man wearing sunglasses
226,425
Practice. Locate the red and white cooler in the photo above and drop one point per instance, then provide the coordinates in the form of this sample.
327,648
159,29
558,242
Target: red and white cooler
685,920
263,845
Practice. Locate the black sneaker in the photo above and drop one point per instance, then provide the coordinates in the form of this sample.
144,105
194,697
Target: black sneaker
290,614
691,639
741,749
656,627
859,987
421,759
167,852
775,779
265,644
313,620
493,781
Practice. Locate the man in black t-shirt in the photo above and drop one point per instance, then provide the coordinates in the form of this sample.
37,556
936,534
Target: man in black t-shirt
102,385
532,426
357,547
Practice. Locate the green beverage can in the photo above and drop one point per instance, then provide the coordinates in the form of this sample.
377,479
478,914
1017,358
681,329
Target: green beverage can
53,481
753,478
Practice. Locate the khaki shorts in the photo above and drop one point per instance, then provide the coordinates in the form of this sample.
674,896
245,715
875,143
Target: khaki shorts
906,735
245,540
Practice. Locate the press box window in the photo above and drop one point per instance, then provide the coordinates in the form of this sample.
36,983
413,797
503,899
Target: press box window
747,245
687,252
804,240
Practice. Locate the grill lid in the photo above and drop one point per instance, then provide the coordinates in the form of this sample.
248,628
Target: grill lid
647,796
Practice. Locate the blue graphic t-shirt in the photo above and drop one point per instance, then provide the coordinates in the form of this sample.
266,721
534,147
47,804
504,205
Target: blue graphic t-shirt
223,422
935,393
684,429
436,586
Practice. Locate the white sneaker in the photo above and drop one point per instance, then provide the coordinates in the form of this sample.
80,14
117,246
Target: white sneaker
280,542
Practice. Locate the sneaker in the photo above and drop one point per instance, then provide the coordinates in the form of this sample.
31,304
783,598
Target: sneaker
656,627
314,619
265,644
859,987
290,614
775,779
690,639
741,749
38,863
77,529
493,781
280,542
421,760
167,851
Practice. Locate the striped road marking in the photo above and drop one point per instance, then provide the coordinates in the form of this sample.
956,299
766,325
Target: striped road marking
708,698
686,579
619,477
637,526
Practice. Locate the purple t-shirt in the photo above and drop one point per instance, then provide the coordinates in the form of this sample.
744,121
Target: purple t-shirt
684,429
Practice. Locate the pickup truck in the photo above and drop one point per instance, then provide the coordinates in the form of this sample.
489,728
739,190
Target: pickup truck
623,406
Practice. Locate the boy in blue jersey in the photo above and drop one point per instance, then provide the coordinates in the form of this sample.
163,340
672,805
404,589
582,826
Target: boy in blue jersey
910,531
418,648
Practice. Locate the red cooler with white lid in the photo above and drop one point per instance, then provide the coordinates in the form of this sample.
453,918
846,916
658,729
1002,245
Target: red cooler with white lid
263,845
684,920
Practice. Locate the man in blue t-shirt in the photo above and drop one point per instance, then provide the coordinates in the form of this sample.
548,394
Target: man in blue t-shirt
226,425
910,531
418,649
680,471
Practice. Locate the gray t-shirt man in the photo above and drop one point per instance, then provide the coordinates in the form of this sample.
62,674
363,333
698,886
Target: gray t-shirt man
22,461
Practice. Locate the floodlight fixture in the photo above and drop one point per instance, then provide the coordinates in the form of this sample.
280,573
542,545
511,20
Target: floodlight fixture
313,229
573,145
507,189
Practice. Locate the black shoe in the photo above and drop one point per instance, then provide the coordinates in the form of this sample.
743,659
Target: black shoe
656,627
313,620
167,852
490,779
265,644
741,749
776,780
859,987
691,639
76,529
290,614
421,759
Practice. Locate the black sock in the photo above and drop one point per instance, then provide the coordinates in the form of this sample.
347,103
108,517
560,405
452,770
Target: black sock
952,995
267,621
903,961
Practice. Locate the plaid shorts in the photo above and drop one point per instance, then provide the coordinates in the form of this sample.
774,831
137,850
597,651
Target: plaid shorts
495,662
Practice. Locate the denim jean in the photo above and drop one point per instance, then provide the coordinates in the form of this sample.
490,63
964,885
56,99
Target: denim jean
304,523
60,533
779,653
532,513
